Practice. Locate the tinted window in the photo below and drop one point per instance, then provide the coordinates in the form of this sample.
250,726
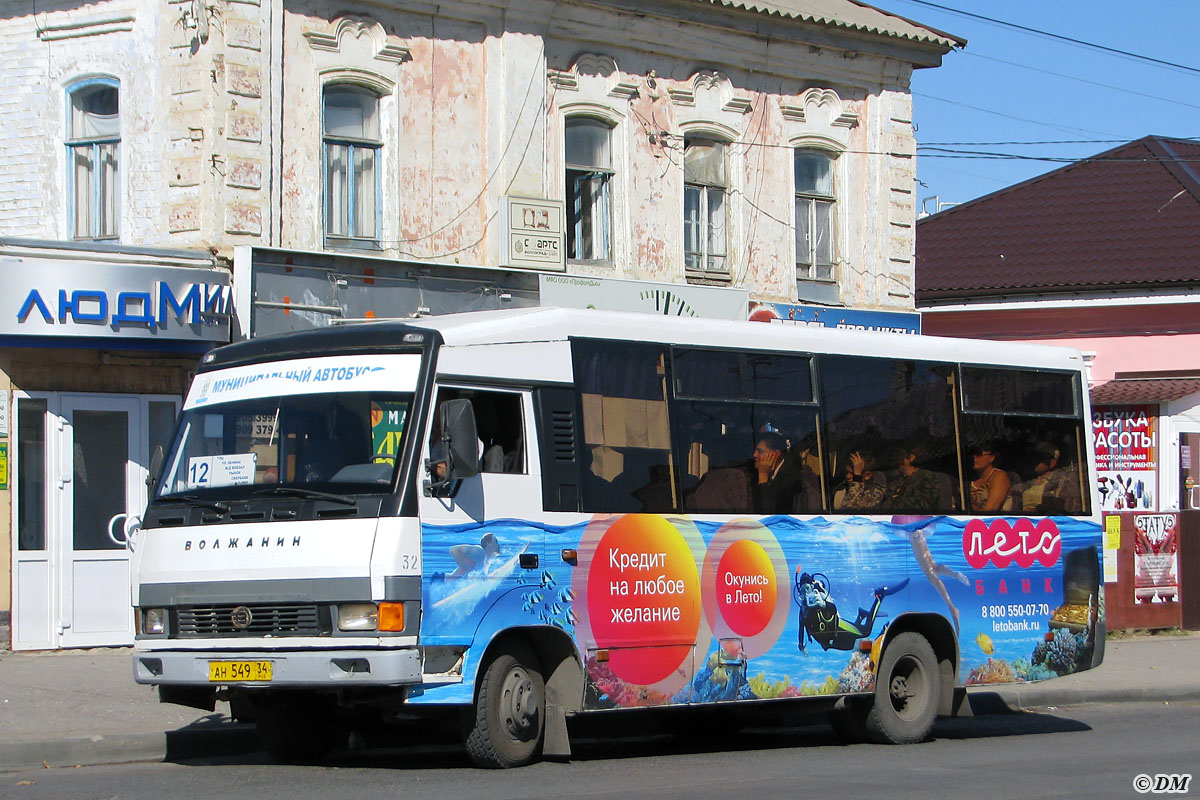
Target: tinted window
890,443
1018,391
627,459
726,374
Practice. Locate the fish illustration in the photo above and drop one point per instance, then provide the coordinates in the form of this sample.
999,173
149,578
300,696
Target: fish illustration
985,643
572,618
535,597
548,580
566,595
935,571
556,609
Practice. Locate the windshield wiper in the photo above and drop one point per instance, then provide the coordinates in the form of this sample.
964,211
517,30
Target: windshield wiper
220,508
313,494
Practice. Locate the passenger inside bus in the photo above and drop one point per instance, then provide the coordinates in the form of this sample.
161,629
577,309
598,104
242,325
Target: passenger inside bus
992,485
913,488
337,438
779,482
1054,489
862,488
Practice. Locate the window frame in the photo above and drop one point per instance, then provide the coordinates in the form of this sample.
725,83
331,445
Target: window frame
812,198
349,239
97,147
574,174
705,192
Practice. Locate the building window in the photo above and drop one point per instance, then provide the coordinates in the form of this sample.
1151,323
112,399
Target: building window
352,151
588,148
815,216
93,149
705,220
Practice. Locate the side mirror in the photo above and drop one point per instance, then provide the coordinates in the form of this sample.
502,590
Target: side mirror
456,455
156,462
460,439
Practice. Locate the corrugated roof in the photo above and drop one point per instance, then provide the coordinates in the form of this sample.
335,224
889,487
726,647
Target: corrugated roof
849,14
1129,217
1144,390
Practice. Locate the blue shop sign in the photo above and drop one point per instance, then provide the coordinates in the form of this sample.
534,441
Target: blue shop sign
842,318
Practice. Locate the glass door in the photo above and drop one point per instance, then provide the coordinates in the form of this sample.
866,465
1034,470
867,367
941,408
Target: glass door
33,576
79,487
101,486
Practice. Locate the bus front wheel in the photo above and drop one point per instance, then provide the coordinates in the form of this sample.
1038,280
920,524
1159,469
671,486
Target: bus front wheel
510,711
907,687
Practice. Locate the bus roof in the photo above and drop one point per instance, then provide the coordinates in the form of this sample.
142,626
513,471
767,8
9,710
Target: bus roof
542,324
546,324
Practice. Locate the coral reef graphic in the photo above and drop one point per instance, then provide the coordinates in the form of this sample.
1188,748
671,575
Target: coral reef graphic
1060,653
605,690
857,676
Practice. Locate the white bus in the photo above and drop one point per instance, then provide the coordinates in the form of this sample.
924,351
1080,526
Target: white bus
511,518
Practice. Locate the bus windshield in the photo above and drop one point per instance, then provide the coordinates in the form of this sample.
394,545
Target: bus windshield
338,442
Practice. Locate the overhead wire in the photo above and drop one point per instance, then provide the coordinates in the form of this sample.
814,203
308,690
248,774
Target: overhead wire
1061,38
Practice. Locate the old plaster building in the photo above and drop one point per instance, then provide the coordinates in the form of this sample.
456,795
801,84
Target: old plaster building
175,173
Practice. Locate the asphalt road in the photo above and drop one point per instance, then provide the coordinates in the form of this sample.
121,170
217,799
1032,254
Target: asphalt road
1093,751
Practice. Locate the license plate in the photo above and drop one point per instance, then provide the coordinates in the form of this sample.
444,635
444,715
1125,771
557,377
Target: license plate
239,670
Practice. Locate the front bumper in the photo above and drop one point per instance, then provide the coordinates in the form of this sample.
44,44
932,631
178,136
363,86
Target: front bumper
292,669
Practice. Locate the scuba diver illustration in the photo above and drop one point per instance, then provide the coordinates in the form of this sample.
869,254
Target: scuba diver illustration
819,618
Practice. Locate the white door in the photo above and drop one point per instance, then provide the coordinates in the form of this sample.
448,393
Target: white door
100,485
80,473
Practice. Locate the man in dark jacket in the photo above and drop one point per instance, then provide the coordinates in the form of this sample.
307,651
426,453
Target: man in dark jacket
779,484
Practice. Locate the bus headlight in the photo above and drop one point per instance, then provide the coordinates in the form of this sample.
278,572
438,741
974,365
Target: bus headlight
358,617
154,621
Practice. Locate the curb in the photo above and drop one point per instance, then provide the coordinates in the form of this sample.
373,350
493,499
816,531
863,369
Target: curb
1007,701
233,739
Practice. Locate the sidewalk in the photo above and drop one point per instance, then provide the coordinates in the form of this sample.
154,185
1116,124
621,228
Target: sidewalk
82,707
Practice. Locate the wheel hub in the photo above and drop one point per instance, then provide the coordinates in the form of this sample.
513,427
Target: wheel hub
519,704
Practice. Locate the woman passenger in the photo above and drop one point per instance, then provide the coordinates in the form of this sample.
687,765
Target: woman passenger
991,486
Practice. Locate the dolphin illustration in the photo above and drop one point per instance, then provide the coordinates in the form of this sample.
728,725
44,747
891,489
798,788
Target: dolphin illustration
935,571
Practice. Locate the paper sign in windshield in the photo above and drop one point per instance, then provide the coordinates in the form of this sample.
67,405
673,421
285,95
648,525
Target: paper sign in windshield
231,470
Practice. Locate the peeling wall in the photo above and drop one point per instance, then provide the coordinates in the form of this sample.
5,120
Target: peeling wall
221,126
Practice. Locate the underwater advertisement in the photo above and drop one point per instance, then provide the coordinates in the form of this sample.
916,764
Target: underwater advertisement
669,609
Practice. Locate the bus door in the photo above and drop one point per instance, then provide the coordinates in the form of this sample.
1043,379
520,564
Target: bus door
479,537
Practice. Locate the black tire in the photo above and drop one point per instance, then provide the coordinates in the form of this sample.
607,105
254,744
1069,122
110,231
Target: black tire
907,688
510,711
296,730
849,721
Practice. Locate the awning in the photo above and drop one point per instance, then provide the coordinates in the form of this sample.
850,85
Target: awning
1143,390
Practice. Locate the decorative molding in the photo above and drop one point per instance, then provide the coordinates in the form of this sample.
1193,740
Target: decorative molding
361,77
739,105
68,27
562,79
839,116
593,65
711,80
392,51
682,95
626,90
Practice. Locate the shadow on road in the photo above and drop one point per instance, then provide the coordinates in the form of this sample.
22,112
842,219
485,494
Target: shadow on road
652,733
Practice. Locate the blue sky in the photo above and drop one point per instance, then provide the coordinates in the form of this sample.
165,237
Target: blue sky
1051,90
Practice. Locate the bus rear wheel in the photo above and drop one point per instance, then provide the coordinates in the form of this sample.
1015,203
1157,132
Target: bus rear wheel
907,688
510,711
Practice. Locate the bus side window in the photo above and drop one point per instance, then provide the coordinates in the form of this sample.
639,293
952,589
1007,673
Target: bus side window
499,424
895,420
1027,421
628,465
